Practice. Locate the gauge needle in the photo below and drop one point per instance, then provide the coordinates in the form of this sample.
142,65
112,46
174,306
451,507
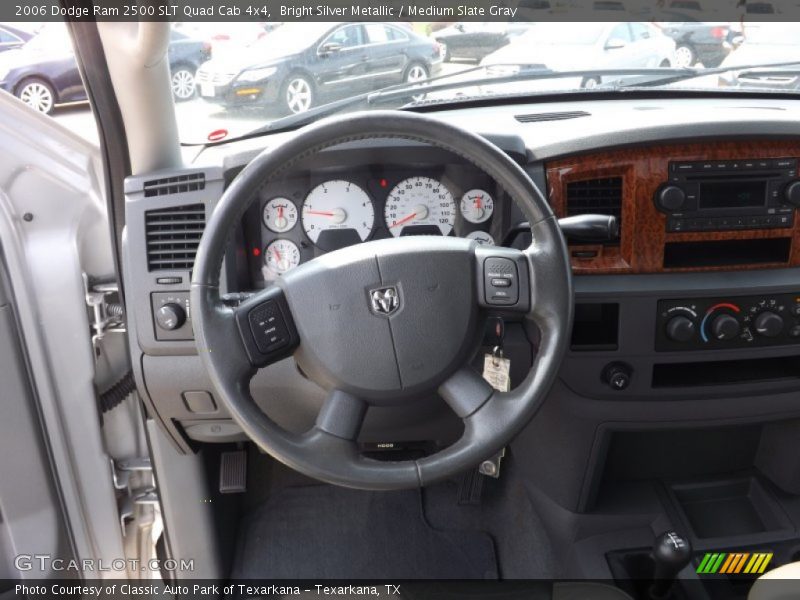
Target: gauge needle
403,220
322,213
277,254
478,202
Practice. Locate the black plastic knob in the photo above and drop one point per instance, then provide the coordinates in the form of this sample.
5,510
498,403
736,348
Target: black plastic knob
617,376
791,193
680,329
671,553
769,324
170,316
670,198
725,327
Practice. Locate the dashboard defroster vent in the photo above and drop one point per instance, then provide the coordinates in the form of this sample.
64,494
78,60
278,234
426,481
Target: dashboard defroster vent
179,184
551,116
173,235
595,196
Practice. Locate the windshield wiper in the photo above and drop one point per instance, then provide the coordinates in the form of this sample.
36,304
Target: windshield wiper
666,78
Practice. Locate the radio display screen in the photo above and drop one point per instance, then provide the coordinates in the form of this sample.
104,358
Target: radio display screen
729,194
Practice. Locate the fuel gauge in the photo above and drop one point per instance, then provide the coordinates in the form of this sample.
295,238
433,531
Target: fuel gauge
281,256
477,206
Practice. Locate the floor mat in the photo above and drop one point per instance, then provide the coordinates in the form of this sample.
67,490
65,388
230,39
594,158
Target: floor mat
325,532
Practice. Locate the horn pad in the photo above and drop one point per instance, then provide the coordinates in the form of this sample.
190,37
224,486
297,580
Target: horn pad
387,319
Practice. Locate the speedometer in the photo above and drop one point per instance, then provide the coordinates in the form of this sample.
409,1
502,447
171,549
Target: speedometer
337,205
420,201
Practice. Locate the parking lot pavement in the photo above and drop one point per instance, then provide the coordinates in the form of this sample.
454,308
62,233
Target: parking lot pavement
196,118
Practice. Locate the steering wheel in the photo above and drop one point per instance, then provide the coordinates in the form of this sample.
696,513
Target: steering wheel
383,322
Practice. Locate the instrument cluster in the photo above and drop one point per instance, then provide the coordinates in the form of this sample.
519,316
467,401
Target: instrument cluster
306,215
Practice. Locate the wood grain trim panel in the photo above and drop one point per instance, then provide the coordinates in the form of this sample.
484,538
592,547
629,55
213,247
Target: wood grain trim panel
643,234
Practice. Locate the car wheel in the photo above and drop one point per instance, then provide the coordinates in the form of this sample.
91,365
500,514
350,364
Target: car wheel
183,84
298,94
684,56
589,83
416,72
38,94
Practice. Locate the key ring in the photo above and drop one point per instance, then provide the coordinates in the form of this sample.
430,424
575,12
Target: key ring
497,356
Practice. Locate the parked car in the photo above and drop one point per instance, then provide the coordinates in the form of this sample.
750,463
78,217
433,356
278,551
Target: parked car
707,43
12,37
43,72
765,43
471,40
300,65
590,45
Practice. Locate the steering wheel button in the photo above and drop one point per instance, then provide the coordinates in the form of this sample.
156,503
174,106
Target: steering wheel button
500,281
268,327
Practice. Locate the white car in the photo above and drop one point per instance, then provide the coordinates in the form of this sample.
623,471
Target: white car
579,46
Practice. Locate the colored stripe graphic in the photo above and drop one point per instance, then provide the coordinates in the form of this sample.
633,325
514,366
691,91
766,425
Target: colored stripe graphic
734,563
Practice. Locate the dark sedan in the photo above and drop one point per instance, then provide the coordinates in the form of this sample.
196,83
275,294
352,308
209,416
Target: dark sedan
300,65
706,43
43,72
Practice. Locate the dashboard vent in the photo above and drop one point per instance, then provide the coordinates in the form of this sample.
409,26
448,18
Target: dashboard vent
173,235
595,196
551,116
179,184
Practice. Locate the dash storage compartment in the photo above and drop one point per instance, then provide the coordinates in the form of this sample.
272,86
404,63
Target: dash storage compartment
729,507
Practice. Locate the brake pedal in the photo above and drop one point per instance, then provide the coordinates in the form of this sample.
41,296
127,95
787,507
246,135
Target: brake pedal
233,472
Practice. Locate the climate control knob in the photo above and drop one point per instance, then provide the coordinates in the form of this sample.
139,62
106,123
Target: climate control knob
769,324
680,329
725,327
670,198
791,193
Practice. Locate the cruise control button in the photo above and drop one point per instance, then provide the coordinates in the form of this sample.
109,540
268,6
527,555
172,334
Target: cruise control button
502,283
268,327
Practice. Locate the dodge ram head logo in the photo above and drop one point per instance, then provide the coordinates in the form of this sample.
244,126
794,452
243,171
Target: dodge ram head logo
384,300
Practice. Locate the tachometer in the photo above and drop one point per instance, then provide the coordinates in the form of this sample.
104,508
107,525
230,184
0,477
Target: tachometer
280,215
477,206
420,201
337,205
281,256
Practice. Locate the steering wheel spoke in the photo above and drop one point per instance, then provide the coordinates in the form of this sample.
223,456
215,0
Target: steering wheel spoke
465,392
342,415
266,327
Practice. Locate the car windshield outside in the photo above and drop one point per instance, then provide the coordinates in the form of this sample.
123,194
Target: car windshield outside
231,79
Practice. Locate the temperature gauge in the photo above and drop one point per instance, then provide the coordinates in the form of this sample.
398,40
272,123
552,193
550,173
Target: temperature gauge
280,215
477,206
482,238
281,256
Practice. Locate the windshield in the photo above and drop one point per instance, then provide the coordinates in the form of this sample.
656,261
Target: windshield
231,79
299,67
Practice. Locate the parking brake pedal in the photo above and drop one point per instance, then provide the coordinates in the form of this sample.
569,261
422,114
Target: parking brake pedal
233,472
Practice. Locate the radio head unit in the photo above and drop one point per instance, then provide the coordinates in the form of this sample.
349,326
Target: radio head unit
730,194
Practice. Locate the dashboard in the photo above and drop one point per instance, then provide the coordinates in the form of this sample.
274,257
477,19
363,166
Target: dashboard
673,319
310,212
